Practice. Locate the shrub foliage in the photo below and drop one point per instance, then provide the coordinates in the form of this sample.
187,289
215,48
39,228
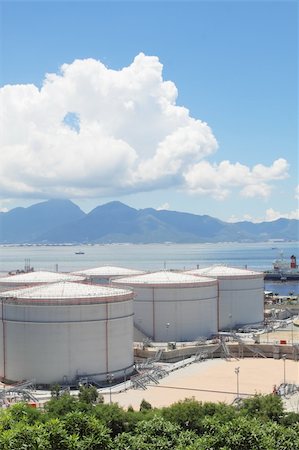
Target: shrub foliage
67,423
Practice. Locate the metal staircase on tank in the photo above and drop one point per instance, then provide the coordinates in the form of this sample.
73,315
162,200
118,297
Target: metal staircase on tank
158,355
143,379
149,373
256,351
149,363
160,372
225,352
138,382
203,354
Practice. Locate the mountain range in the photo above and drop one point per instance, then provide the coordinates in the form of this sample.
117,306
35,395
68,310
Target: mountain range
62,221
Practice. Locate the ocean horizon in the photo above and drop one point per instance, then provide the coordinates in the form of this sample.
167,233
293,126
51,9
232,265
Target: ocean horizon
150,257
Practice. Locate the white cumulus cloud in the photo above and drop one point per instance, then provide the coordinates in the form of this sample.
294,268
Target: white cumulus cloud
92,131
165,206
219,179
269,216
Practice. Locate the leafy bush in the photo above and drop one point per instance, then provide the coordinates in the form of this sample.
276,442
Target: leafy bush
77,424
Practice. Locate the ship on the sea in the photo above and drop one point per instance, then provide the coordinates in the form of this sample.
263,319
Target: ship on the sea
283,270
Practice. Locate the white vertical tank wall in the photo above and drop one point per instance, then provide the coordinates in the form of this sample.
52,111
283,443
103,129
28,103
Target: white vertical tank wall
58,332
172,306
104,274
241,295
35,278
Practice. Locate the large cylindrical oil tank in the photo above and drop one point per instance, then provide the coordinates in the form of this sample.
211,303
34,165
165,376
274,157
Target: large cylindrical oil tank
104,274
241,295
57,333
35,278
172,306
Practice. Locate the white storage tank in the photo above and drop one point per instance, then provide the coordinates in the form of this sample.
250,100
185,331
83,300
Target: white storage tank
104,274
60,332
35,278
241,295
172,306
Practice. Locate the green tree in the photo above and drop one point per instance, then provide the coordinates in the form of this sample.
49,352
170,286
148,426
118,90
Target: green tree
88,394
24,436
156,433
289,418
55,390
70,424
92,434
19,412
263,406
145,406
186,439
283,438
59,438
240,433
97,437
76,422
130,441
58,407
115,418
189,414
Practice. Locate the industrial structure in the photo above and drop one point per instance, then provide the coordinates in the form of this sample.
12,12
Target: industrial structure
173,306
35,278
240,295
58,333
105,274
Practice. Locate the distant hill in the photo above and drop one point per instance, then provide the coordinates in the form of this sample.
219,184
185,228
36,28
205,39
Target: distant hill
26,225
61,221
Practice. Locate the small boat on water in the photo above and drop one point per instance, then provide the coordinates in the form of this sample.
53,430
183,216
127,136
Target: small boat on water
80,253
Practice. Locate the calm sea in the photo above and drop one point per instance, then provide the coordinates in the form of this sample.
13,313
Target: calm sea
151,257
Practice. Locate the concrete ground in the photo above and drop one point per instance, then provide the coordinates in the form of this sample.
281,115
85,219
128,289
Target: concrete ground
289,334
214,380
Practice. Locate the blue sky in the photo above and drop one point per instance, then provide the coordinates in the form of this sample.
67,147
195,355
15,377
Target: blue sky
234,65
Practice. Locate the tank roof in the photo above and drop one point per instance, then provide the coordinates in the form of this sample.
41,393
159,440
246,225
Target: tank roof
40,277
222,271
108,271
166,279
66,292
